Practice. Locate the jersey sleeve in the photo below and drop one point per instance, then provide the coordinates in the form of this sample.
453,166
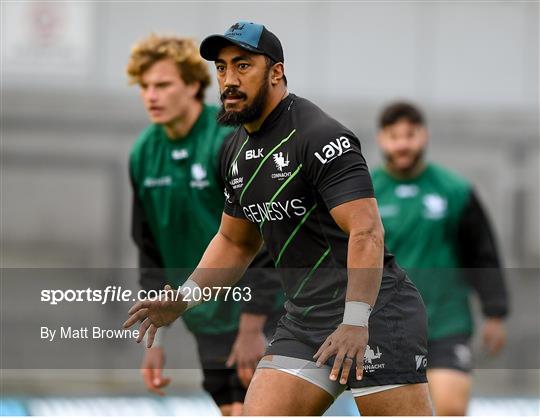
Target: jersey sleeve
480,258
151,273
334,164
232,206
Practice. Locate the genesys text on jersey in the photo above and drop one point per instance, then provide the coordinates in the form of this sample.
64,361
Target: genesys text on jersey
274,211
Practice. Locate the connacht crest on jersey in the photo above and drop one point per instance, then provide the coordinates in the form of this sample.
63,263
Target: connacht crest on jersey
280,160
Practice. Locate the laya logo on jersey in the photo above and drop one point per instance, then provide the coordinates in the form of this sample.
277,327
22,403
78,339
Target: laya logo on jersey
334,149
252,154
274,211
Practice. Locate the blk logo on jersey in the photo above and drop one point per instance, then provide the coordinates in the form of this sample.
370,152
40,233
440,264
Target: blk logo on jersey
334,149
252,154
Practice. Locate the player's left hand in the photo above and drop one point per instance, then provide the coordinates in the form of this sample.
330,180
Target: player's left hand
247,350
154,314
347,343
493,335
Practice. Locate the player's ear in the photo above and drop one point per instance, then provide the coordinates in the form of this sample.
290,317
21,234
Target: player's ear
276,73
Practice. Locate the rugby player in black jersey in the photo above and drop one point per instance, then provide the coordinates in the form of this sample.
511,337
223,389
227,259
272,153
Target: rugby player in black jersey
296,178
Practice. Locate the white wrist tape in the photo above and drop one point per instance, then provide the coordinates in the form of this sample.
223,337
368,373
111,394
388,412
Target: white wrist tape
357,313
159,338
189,295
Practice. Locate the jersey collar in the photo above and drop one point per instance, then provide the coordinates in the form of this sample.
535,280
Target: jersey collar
273,118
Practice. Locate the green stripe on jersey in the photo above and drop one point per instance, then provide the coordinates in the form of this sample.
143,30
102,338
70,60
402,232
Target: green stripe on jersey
281,189
263,161
315,267
238,155
307,310
294,232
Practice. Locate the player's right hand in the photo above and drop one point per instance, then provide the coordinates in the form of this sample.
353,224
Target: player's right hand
152,370
154,314
347,343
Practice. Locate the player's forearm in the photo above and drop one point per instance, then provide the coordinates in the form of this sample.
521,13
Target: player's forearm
365,264
224,262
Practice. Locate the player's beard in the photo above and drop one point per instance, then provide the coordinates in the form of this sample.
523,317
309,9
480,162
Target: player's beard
416,162
250,113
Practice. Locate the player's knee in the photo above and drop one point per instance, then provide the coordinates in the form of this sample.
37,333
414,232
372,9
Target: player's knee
225,409
451,408
237,409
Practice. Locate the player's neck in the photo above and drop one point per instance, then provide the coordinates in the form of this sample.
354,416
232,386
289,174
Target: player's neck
407,174
180,127
274,100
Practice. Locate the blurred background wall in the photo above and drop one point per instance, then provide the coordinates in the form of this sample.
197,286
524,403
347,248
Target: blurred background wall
69,118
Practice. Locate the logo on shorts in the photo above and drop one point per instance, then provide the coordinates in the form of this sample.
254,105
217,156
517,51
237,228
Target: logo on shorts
421,361
369,357
463,355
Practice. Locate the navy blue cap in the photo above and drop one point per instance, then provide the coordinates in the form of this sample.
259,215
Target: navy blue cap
253,37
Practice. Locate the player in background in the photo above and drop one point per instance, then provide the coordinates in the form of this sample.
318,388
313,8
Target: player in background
435,225
296,178
177,205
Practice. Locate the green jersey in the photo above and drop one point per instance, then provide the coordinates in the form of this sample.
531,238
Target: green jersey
178,186
421,218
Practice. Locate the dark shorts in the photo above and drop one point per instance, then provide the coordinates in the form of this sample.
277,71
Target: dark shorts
452,352
397,346
220,381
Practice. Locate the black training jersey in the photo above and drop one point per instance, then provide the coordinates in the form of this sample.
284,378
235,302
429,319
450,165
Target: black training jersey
285,178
